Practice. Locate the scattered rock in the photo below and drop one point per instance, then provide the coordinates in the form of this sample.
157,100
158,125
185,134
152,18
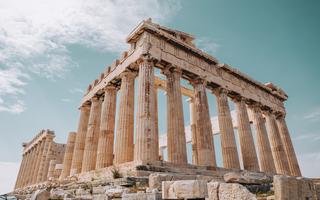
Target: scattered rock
246,177
186,189
40,195
230,191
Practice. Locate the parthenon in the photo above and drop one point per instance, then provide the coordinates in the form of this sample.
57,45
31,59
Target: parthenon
131,137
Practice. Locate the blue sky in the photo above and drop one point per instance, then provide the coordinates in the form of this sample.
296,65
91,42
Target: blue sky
51,50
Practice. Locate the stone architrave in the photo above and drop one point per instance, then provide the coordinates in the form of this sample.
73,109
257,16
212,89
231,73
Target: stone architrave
247,147
288,146
125,129
228,142
67,160
264,150
145,147
203,133
79,145
107,124
278,154
92,136
177,150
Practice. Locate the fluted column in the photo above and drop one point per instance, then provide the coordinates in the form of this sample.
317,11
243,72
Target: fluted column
38,160
247,147
279,156
41,171
193,131
265,155
49,157
52,166
203,133
92,136
124,135
80,140
228,142
25,170
19,177
176,142
156,125
145,146
33,163
106,137
67,160
288,147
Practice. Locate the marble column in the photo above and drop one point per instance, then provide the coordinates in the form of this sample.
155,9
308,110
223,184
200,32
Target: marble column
92,136
52,166
38,161
67,160
176,142
265,155
247,147
76,164
288,146
20,174
49,157
279,156
156,125
204,138
228,142
124,134
33,163
107,124
145,146
41,172
193,131
25,170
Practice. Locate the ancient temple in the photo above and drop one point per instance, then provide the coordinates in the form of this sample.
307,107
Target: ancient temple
134,145
37,159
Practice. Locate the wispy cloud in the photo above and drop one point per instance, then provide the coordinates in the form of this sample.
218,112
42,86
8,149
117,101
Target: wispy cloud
207,45
308,136
314,115
35,34
65,100
76,90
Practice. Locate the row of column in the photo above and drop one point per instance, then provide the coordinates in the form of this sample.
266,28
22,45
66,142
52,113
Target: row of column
33,165
93,147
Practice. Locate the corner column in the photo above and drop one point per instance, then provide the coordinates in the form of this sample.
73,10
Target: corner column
106,137
92,136
67,160
248,151
288,146
145,146
228,142
38,161
20,174
203,133
279,156
265,155
124,134
176,142
76,165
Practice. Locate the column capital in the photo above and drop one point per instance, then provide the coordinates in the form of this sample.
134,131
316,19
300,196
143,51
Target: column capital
280,115
168,69
146,58
197,81
128,74
238,98
95,99
220,91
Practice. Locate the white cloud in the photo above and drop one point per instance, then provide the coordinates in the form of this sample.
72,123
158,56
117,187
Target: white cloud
76,90
310,164
314,115
207,45
35,34
66,100
9,171
309,136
